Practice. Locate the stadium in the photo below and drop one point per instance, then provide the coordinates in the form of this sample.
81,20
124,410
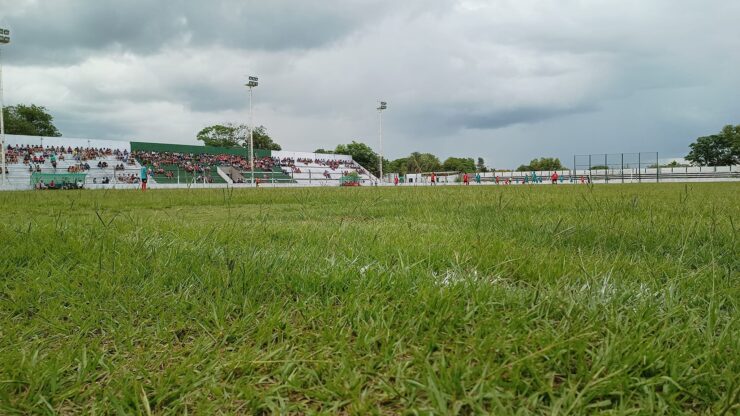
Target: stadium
235,277
35,162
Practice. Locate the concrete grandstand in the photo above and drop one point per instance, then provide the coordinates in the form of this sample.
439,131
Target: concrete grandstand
34,161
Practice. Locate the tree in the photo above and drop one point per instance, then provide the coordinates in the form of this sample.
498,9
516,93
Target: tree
29,120
481,165
220,136
398,166
718,149
543,163
323,151
262,140
230,135
361,153
459,164
422,162
597,167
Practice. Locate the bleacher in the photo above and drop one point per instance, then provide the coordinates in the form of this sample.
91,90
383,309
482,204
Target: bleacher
275,175
322,169
185,164
174,174
70,155
174,165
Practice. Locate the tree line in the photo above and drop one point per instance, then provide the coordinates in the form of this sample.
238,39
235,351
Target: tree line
719,149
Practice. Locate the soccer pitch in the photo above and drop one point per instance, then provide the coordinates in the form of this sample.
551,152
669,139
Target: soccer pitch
449,300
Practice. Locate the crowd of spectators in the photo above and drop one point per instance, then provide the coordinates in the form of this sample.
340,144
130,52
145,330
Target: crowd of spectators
163,164
130,178
329,163
39,154
82,167
35,156
189,162
200,165
41,185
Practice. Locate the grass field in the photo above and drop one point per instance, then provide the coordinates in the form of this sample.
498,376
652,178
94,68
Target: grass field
502,300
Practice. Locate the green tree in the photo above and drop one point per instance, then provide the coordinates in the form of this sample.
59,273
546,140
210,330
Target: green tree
262,140
422,162
29,120
398,166
481,165
323,151
718,149
459,164
361,153
231,135
543,163
219,135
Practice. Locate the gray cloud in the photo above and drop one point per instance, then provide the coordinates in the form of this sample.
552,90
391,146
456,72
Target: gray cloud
515,116
67,31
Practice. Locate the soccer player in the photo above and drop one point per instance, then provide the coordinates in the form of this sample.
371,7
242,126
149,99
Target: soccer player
143,174
554,178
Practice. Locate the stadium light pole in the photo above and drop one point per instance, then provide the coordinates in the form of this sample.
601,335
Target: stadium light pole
253,82
4,39
383,105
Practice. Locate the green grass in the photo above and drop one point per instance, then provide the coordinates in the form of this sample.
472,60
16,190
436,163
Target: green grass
504,300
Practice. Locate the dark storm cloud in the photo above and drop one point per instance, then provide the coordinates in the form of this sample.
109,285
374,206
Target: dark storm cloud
507,117
442,121
68,31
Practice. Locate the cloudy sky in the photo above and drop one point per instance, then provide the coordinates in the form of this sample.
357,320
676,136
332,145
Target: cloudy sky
507,80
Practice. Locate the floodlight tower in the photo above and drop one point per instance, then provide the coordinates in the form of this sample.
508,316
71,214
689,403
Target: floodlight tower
383,105
4,39
251,84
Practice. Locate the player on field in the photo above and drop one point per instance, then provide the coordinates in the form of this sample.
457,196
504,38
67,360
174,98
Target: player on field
144,175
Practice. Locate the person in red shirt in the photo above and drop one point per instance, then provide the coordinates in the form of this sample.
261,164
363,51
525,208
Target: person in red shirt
466,179
434,178
554,178
395,180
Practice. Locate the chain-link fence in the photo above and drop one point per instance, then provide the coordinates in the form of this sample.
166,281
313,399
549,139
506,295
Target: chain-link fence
623,167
